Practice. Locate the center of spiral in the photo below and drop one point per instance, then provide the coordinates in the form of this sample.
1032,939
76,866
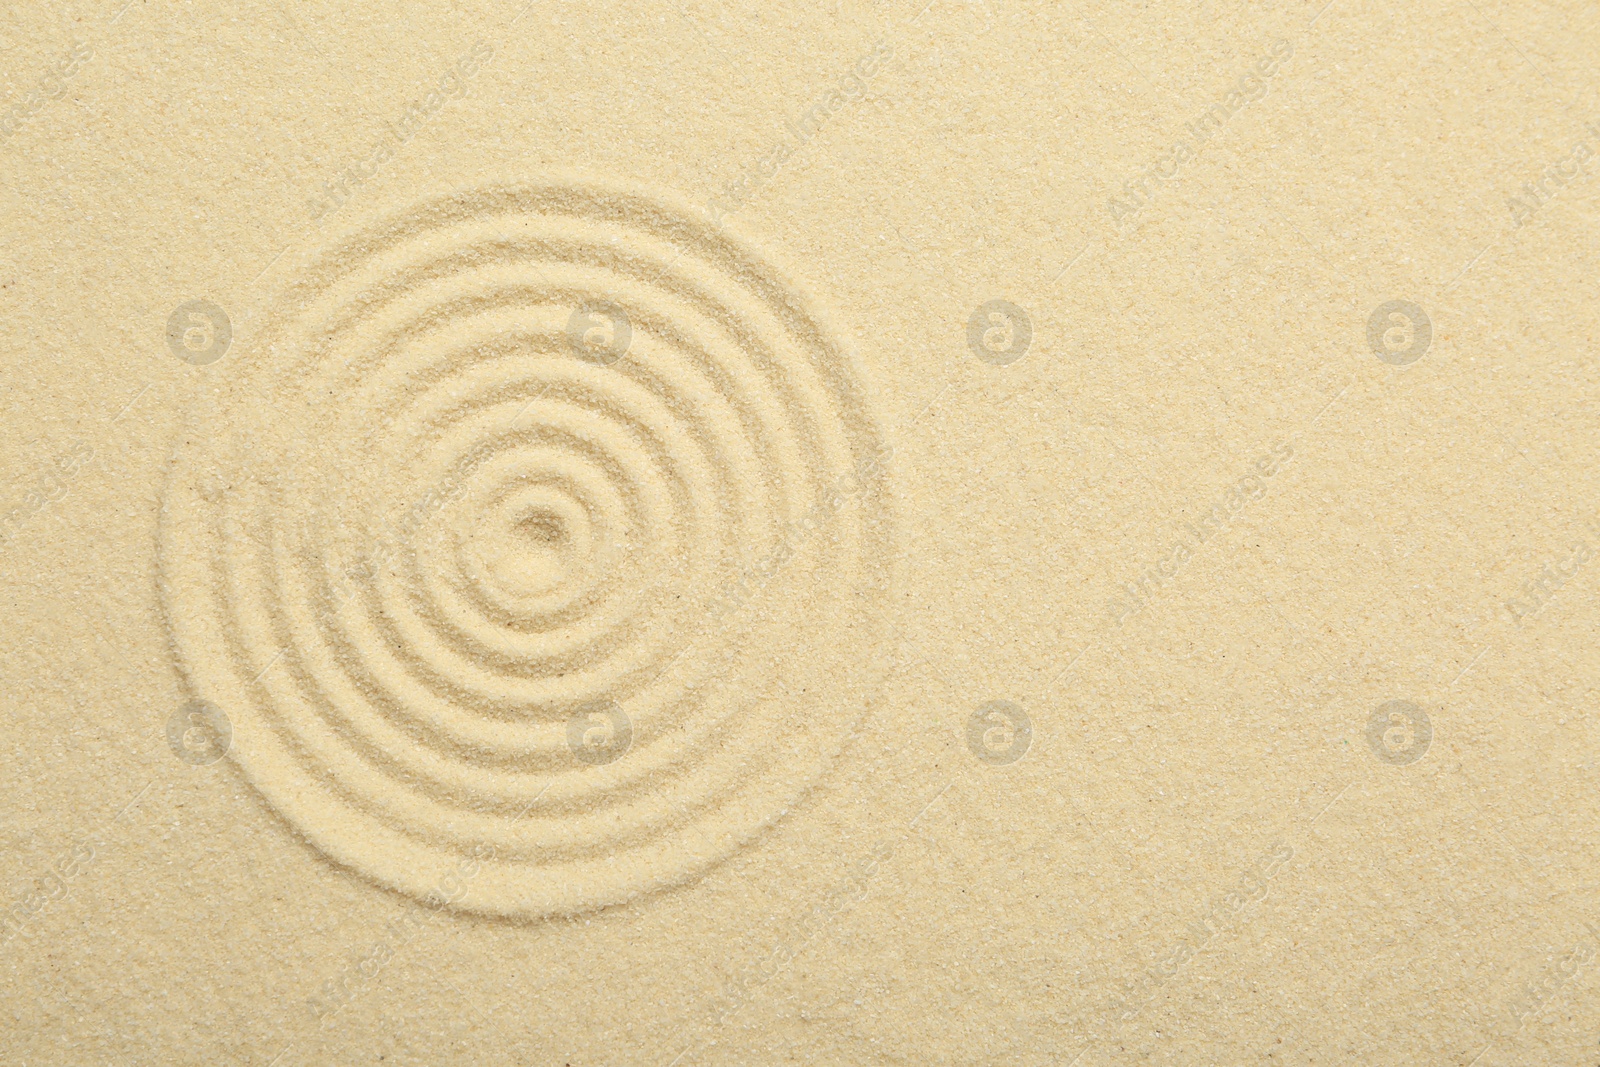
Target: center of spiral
540,544
530,547
543,529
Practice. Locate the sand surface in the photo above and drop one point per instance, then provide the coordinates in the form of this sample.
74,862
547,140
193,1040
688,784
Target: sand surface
893,533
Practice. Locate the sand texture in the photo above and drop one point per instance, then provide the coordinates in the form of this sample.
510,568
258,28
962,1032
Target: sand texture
935,533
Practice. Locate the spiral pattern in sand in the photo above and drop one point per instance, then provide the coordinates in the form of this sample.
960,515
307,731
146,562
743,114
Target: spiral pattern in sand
414,531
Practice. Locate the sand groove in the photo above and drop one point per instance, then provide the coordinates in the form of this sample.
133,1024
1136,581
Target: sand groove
417,529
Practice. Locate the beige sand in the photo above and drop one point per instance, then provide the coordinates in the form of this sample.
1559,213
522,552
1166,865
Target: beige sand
955,534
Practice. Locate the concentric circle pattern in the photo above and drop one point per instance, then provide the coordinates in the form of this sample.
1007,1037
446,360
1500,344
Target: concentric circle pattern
413,531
